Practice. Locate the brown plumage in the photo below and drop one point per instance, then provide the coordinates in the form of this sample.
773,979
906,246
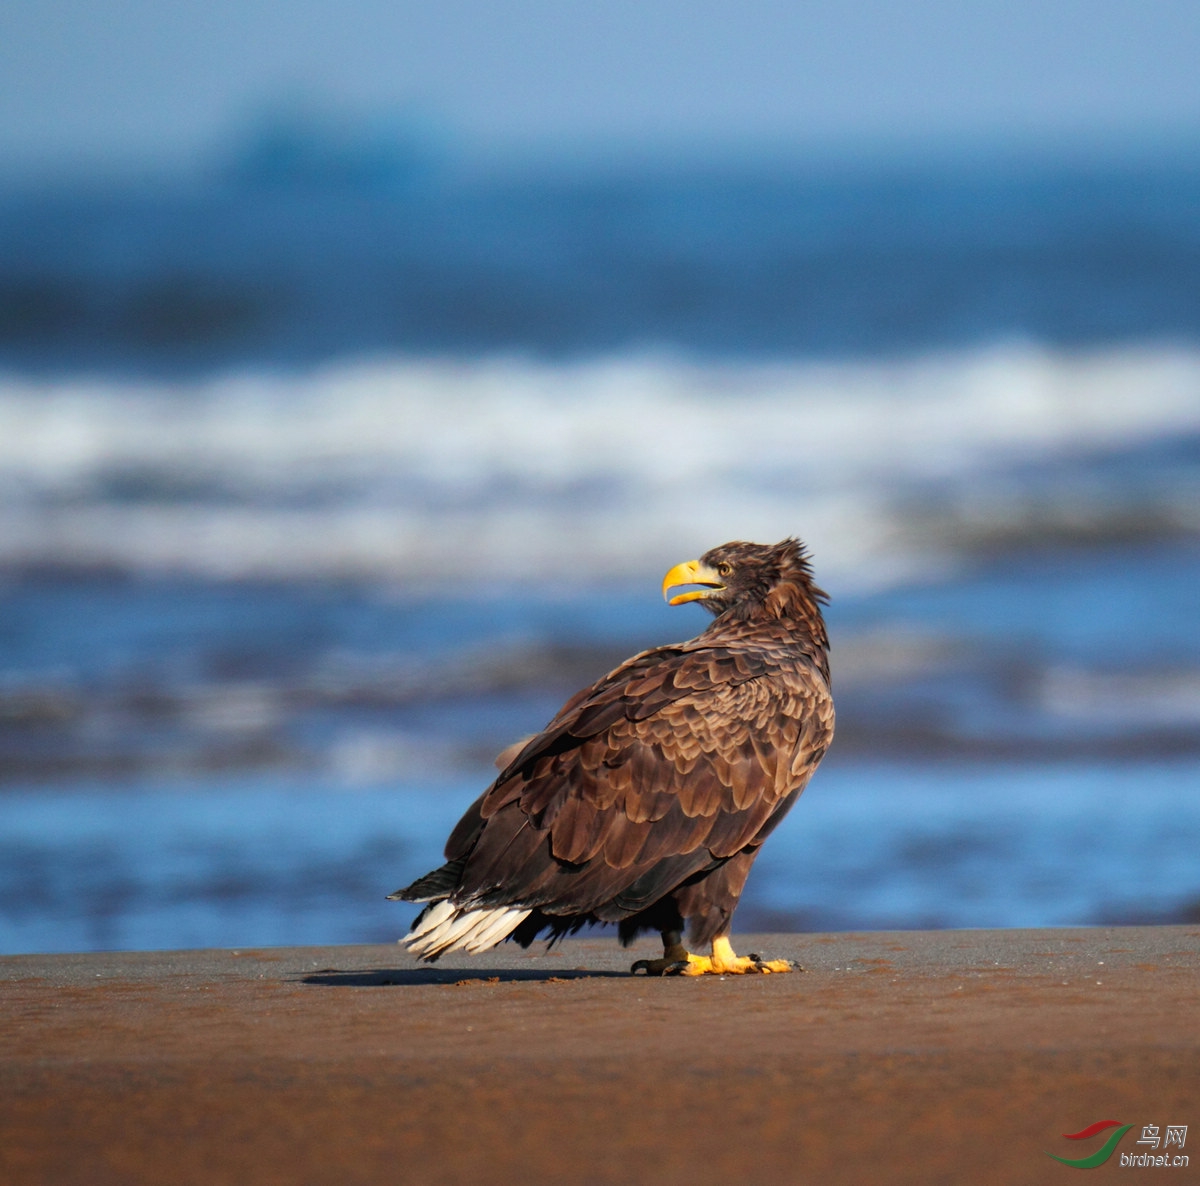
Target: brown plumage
646,799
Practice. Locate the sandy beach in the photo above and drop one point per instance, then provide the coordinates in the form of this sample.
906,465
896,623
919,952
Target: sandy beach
921,1057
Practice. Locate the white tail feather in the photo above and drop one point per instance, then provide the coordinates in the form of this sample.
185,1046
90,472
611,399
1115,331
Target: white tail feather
470,937
433,917
496,930
446,927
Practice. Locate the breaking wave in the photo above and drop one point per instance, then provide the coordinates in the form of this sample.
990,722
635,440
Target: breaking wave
512,470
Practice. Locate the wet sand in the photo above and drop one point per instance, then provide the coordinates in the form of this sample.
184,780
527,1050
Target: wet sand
897,1057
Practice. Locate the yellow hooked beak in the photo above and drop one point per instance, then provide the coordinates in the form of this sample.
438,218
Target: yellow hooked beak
690,572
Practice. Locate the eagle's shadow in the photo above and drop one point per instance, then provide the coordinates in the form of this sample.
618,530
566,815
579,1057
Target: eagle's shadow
410,977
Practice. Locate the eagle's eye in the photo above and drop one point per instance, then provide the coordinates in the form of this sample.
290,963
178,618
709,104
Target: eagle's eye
723,569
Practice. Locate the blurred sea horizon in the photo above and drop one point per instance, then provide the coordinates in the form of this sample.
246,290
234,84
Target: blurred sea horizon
326,478
307,241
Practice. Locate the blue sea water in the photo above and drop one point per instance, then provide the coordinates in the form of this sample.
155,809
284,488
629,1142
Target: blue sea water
224,765
316,492
269,861
775,258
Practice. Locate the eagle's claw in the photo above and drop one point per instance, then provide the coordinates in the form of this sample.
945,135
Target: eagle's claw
762,965
661,967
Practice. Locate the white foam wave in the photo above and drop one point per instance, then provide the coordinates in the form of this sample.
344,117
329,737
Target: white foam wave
440,470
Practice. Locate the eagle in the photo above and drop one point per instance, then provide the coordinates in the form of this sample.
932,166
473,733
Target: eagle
646,799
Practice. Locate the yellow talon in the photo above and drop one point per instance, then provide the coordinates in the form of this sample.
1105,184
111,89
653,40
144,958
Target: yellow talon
697,965
724,962
678,961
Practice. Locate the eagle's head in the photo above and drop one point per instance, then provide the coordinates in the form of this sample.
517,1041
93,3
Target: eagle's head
749,580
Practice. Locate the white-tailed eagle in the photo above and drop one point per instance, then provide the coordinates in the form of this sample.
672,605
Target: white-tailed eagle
645,801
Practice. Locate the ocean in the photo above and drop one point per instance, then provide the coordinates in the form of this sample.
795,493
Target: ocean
318,489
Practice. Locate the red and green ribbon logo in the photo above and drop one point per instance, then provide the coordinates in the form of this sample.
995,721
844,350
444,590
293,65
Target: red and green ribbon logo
1103,1153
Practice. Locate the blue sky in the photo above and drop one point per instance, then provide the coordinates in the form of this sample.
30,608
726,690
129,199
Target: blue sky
127,80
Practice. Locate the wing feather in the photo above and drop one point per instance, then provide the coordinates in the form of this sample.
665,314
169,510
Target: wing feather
672,763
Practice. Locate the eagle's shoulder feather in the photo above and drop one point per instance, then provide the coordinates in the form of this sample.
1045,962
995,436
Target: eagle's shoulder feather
680,748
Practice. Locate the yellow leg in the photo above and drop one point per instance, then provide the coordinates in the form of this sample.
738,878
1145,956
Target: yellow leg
723,962
678,961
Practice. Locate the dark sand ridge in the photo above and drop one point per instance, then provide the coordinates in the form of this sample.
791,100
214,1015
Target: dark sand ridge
898,1057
